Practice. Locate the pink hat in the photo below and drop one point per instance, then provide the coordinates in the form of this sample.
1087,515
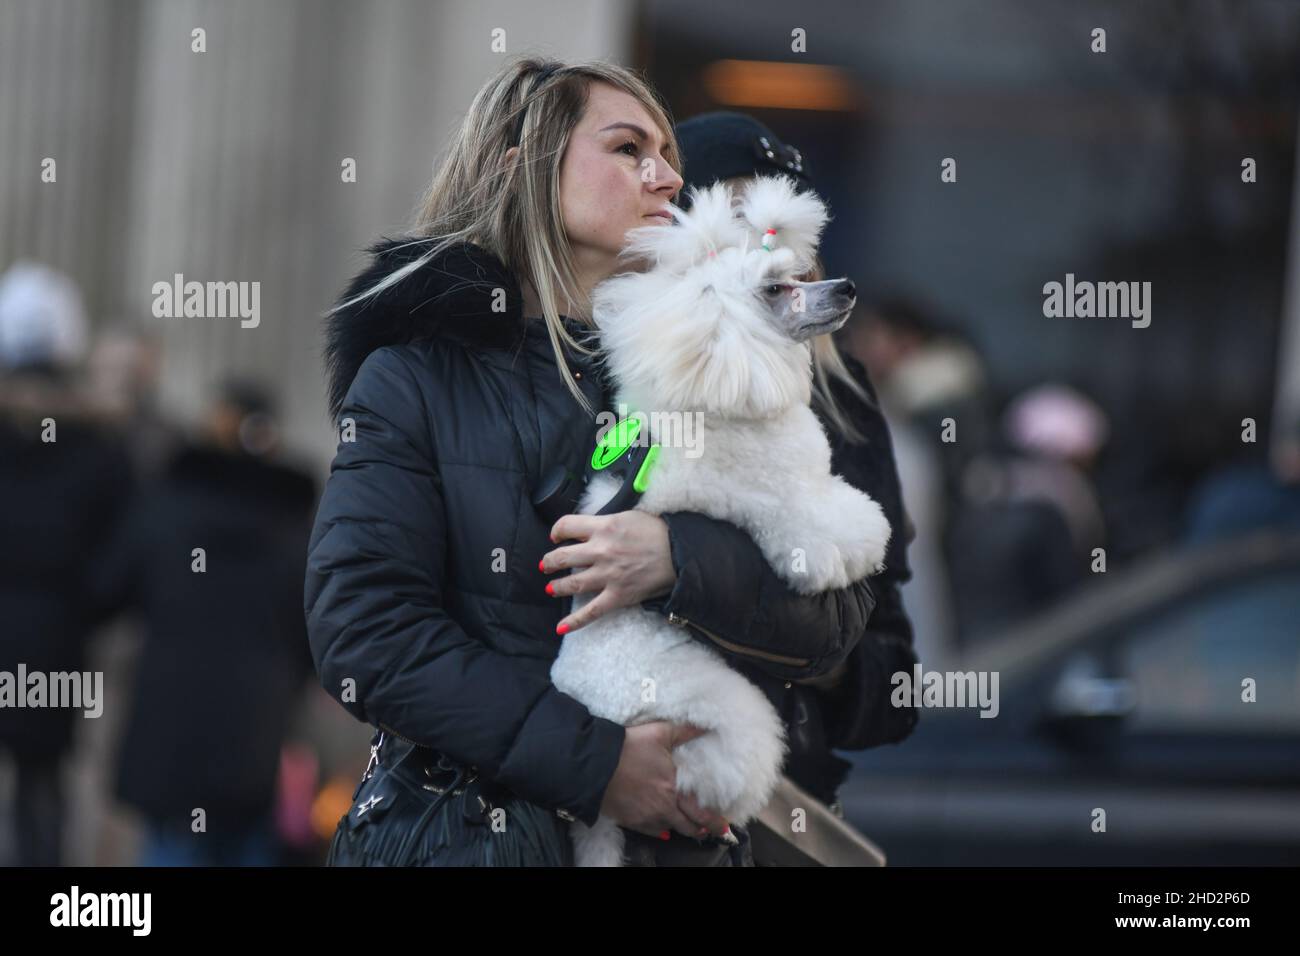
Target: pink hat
1056,421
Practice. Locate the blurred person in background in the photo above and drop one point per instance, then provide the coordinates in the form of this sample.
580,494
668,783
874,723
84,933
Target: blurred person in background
224,660
1249,495
122,379
1029,518
1057,434
63,482
849,708
926,374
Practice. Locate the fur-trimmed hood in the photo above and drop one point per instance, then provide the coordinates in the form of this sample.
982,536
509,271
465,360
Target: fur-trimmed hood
451,295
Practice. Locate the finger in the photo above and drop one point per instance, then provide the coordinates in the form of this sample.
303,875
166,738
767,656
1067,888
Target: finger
571,556
663,730
575,526
578,582
682,823
687,805
682,733
602,603
709,820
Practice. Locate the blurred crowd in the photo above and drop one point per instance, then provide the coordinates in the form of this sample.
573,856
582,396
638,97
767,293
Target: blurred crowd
186,546
1020,496
187,543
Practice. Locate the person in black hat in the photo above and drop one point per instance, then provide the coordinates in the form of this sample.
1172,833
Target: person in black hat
849,708
734,147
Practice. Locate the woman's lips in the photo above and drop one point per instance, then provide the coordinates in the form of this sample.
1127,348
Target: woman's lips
660,215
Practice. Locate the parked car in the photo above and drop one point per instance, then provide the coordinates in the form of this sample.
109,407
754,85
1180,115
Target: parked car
1133,698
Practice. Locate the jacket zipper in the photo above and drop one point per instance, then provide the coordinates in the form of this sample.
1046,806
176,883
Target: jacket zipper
389,730
674,618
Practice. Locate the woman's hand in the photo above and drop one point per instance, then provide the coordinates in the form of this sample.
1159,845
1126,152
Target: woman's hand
642,794
625,557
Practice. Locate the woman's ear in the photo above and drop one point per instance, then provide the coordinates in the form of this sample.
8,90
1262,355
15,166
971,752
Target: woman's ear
509,158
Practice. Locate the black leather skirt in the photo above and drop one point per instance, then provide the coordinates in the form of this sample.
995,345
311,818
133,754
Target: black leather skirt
416,807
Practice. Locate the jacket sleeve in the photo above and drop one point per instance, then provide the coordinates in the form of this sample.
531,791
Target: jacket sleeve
727,591
857,711
383,644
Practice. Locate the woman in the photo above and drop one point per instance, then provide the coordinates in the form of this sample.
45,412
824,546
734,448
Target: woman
847,708
457,381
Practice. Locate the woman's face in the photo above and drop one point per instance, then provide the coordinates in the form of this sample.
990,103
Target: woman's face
613,178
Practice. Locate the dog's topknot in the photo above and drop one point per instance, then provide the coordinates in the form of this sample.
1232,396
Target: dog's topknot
771,202
710,226
717,220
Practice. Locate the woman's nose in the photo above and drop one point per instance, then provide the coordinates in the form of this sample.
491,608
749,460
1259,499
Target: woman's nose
667,178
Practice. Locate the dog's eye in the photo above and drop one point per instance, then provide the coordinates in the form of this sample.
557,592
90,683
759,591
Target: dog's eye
774,289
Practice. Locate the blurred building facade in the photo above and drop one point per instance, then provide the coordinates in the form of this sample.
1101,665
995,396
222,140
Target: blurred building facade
227,165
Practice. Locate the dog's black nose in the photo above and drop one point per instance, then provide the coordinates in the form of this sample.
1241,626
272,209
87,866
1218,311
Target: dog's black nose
846,289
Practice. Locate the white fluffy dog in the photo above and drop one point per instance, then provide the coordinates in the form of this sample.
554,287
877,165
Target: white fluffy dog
717,325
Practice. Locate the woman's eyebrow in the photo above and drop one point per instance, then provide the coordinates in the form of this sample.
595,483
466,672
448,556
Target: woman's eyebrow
632,126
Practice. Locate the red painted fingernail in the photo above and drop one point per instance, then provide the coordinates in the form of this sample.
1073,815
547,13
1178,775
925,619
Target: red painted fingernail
562,629
665,835
550,588
541,565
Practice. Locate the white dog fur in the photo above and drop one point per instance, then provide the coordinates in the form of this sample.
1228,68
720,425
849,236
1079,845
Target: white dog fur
696,332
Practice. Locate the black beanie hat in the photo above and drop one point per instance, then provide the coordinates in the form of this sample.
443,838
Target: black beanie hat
723,144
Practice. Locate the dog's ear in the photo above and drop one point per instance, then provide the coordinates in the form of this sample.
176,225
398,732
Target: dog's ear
710,226
779,217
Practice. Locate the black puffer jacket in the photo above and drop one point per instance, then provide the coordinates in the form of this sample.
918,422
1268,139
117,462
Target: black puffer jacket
426,611
223,664
61,501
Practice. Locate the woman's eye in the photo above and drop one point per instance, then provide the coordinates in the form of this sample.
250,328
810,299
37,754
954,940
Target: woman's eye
626,145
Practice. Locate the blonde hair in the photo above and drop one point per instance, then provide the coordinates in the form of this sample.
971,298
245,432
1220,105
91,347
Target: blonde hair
828,364
513,209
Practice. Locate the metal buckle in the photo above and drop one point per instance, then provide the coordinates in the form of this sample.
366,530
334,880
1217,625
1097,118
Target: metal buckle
443,765
374,758
430,770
